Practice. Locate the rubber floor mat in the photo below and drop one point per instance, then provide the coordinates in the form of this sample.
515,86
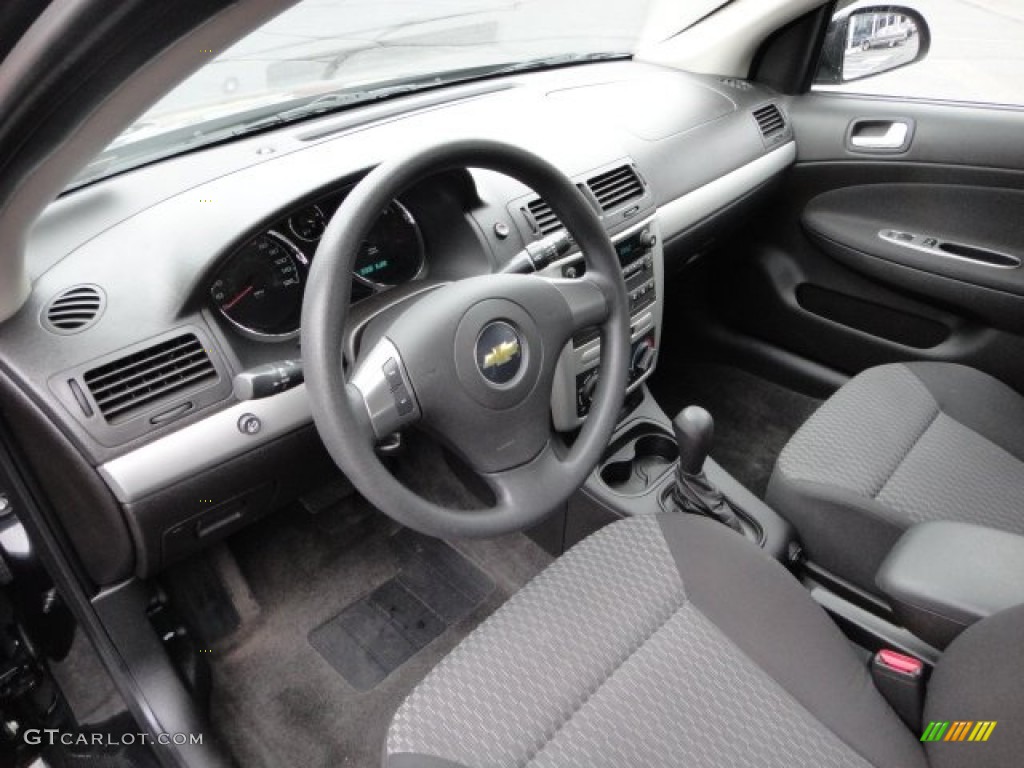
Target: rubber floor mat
435,587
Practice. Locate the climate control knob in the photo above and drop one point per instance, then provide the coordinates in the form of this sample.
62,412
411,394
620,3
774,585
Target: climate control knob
643,358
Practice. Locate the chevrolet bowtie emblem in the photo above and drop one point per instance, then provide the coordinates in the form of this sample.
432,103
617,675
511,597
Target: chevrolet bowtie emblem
501,354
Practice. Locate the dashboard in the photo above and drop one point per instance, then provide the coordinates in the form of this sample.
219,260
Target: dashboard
152,290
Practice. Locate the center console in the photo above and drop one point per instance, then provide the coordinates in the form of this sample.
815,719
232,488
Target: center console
641,258
637,475
642,469
943,576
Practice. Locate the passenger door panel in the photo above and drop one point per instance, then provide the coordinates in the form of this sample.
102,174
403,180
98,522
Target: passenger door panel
819,279
950,243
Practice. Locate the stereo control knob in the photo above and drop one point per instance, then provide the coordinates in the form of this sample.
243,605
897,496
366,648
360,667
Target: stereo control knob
648,239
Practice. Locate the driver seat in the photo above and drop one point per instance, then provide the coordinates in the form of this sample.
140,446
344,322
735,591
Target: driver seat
671,641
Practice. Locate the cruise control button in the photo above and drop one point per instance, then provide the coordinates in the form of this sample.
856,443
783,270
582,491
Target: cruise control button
403,400
392,374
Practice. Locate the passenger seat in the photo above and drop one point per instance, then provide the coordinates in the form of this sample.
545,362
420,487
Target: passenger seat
898,445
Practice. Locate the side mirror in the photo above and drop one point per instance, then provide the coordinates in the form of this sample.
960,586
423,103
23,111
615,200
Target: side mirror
861,42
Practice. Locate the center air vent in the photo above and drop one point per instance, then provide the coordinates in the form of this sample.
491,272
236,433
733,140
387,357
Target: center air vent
151,376
616,187
74,309
544,220
769,120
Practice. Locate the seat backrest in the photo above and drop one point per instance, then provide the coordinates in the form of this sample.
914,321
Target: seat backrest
979,680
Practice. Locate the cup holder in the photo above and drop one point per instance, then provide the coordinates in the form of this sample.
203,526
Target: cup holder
638,460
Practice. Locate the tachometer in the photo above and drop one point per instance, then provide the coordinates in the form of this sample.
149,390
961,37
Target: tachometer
260,288
393,251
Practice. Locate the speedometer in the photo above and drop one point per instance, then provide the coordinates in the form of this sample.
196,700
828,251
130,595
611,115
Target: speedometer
260,288
392,253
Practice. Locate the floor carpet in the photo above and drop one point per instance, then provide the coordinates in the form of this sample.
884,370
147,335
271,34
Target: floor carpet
754,417
276,699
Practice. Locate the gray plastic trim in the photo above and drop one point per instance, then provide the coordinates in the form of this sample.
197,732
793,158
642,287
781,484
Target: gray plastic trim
204,444
379,396
684,212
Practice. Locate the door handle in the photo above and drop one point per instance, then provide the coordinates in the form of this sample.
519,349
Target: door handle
879,135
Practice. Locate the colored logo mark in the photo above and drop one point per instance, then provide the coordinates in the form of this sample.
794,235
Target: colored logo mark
958,730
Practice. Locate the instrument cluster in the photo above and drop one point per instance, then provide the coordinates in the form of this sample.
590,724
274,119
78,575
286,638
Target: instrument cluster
259,287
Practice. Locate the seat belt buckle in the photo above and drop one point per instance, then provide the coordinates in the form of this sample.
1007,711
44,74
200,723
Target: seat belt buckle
901,681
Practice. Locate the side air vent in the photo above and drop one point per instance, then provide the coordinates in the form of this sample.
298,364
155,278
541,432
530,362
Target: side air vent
769,120
74,309
128,385
542,217
616,187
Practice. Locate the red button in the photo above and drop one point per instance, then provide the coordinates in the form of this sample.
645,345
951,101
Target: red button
899,662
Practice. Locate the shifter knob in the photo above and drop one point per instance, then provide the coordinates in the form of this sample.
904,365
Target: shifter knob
695,431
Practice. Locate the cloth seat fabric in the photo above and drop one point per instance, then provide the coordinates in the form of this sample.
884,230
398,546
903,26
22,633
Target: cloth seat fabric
658,641
898,445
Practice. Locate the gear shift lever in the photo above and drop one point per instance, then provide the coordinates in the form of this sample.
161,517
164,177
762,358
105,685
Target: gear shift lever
695,433
693,492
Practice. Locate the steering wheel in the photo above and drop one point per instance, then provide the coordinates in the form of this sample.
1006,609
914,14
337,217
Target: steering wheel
472,362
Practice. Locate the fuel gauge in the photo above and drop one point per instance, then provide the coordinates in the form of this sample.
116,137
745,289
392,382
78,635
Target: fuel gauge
308,224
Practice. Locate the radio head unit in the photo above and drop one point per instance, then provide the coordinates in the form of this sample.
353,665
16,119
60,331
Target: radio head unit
640,257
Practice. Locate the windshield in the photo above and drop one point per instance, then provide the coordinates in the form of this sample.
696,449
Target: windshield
323,55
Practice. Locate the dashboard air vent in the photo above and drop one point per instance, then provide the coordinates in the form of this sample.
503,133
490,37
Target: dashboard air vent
74,309
615,187
769,120
544,220
128,385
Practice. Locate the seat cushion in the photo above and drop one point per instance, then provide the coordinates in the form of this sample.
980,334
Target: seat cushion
659,641
897,445
978,680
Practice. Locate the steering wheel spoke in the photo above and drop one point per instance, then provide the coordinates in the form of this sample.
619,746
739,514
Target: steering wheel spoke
381,382
586,298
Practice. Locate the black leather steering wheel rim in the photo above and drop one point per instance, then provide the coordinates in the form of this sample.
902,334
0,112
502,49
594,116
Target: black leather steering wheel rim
524,493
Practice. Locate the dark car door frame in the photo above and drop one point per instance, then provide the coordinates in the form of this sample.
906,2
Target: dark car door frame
80,72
